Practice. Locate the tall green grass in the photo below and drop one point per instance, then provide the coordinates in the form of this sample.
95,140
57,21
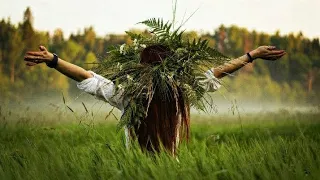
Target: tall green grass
279,145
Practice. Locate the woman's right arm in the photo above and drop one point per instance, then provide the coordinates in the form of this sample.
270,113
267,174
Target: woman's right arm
44,56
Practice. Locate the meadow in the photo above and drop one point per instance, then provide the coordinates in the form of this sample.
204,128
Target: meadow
59,145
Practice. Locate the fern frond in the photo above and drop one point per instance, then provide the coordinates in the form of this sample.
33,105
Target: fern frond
189,59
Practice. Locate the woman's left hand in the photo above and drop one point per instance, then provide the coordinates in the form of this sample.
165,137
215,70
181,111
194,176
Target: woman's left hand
267,53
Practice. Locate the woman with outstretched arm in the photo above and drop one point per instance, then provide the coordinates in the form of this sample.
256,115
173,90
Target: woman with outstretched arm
78,74
166,120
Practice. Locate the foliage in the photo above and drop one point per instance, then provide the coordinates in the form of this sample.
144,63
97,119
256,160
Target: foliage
300,66
182,71
282,145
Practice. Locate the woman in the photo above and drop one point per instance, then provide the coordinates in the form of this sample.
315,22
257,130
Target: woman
166,118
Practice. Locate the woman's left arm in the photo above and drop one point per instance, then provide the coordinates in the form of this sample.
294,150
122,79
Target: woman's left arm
264,52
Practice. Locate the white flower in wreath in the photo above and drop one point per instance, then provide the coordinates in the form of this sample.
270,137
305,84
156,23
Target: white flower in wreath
122,51
130,79
119,66
143,45
135,42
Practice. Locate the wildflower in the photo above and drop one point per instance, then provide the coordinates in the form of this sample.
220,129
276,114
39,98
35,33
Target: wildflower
135,42
122,51
129,77
119,66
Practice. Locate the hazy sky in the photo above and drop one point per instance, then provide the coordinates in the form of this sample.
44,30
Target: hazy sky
118,16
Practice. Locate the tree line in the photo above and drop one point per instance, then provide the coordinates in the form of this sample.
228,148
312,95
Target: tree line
294,78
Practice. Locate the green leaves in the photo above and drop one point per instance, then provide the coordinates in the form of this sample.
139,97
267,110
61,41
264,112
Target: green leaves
177,73
157,25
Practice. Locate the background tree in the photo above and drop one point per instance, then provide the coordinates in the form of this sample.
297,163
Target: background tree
296,77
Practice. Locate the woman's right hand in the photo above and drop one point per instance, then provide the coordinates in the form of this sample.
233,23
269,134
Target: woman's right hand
270,53
36,57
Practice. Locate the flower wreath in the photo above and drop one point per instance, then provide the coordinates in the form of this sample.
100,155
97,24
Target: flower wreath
183,69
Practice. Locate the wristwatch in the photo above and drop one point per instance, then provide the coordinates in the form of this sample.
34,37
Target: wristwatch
250,58
54,62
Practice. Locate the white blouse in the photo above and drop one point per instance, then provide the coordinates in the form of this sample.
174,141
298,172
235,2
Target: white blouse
104,89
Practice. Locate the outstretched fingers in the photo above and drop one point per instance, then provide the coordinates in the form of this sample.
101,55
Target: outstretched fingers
42,48
276,56
34,58
31,63
274,52
35,53
271,48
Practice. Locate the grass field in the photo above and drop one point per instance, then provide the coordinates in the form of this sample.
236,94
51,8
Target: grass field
280,145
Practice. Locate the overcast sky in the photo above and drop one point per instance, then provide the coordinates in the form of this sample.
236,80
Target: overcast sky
117,16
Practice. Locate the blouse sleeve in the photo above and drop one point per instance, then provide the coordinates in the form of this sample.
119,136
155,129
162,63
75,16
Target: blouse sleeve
211,83
102,88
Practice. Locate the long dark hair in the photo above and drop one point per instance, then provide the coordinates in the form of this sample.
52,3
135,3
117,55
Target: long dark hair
168,119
